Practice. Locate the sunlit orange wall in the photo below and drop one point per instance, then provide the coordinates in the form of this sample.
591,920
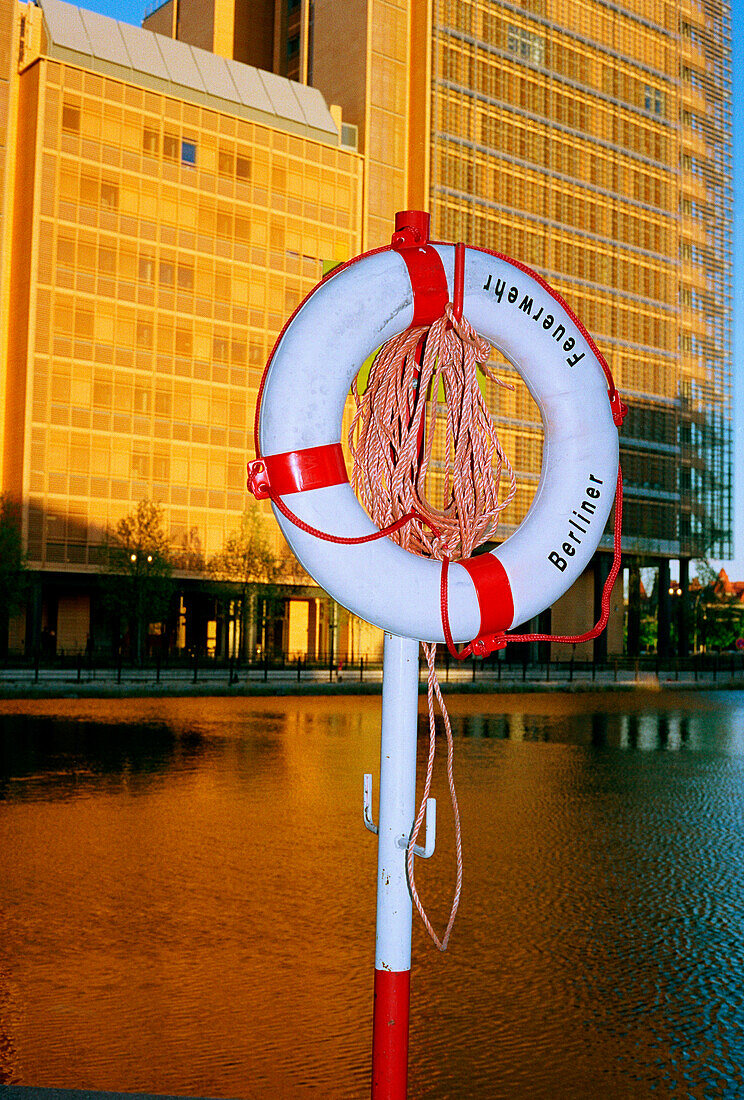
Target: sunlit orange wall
155,294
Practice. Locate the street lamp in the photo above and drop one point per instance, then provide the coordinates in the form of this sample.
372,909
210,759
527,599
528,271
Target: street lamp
140,598
675,591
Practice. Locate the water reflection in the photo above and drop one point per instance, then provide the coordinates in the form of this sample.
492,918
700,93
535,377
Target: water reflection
646,731
188,898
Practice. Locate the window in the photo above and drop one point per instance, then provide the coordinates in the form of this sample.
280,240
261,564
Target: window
146,269
83,323
526,45
141,399
163,403
66,251
349,135
224,223
226,163
183,342
293,47
102,392
89,190
279,178
145,334
106,260
185,277
151,141
167,273
221,349
140,465
160,468
222,286
70,118
188,153
109,195
170,146
653,99
243,167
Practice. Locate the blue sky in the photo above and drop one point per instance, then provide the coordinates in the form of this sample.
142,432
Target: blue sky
131,11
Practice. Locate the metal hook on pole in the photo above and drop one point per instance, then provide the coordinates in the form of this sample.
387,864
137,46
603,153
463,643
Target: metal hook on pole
368,821
425,850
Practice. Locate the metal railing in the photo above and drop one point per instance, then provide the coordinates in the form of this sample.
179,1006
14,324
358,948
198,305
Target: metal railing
496,672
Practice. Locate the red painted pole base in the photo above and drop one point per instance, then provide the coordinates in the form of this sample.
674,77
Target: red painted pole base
390,1035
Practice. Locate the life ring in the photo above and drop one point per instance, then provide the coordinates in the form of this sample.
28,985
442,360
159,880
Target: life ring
307,380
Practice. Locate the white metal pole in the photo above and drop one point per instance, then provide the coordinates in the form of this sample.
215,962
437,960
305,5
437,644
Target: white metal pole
394,907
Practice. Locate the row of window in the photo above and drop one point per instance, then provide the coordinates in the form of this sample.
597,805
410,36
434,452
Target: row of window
463,64
113,259
246,142
494,181
460,63
534,145
184,403
168,145
611,28
551,106
229,159
207,217
165,337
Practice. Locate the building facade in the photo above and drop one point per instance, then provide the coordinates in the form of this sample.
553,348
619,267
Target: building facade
170,194
592,142
163,210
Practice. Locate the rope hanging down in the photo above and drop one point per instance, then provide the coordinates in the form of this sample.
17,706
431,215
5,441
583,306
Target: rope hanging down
391,440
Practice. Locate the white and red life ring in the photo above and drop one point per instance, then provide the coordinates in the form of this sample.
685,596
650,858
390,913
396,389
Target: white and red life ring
341,323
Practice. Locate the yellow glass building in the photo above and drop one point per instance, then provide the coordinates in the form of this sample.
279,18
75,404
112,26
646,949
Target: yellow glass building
167,200
592,142
163,210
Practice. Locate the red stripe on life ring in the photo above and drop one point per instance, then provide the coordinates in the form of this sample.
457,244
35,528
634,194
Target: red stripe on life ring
428,282
493,590
310,468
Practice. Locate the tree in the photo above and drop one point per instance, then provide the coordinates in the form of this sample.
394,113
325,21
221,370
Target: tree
718,607
188,554
12,565
138,586
247,568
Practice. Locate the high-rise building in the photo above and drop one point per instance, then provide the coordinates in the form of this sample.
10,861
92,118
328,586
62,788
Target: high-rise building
162,211
592,142
168,195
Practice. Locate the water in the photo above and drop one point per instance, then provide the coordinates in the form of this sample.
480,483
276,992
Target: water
187,900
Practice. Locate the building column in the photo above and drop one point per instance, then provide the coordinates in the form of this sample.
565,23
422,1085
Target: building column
634,609
683,620
601,573
662,610
33,615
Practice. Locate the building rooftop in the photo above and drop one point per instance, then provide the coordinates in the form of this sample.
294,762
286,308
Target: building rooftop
166,65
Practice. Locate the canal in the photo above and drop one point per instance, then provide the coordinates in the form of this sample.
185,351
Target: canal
187,898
